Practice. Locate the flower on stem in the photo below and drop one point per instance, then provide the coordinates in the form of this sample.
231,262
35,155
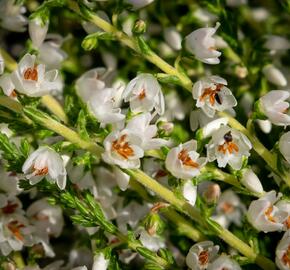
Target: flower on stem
201,255
224,262
264,215
251,181
228,146
37,30
45,163
31,79
275,107
123,148
140,125
183,161
144,94
283,252
284,146
211,95
173,37
153,242
274,75
100,262
202,44
189,192
209,191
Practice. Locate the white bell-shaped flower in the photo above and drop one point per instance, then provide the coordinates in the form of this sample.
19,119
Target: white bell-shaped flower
45,162
152,242
183,161
201,255
37,31
224,262
173,38
144,94
264,215
100,262
123,148
31,78
283,252
140,125
275,107
189,192
274,75
211,95
284,146
228,146
202,44
251,181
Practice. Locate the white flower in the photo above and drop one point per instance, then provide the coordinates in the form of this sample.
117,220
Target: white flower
230,208
251,181
284,146
155,169
173,38
198,119
201,255
122,178
264,215
202,44
283,252
284,205
2,64
277,43
228,146
11,16
140,125
224,262
137,4
274,75
15,232
37,31
209,129
32,80
189,192
183,161
45,162
265,125
123,149
100,263
10,204
7,85
46,218
275,107
152,242
144,94
211,95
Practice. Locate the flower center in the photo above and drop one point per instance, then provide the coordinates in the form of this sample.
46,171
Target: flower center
15,226
228,145
186,160
227,207
203,257
31,74
122,147
42,171
9,208
268,214
212,94
142,94
287,222
286,257
160,173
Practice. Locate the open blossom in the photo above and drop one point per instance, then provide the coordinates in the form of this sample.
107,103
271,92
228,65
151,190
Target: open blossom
275,107
201,255
100,262
283,252
202,44
183,161
31,78
140,125
224,262
264,215
144,94
211,95
45,162
15,232
123,148
229,209
284,146
228,146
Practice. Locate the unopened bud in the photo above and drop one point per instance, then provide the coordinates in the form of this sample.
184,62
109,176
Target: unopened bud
211,193
8,266
90,42
139,27
251,181
166,127
153,224
241,72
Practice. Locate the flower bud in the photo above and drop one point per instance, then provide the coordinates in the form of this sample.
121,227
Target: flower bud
173,38
284,146
139,27
8,266
153,224
251,181
241,72
211,193
37,30
90,42
166,127
274,75
265,125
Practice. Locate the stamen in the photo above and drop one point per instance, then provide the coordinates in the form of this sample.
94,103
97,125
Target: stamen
227,207
122,147
142,95
203,257
268,214
31,74
9,208
14,227
212,94
286,257
42,171
186,160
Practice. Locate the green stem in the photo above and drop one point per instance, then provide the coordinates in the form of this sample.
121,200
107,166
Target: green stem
18,260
